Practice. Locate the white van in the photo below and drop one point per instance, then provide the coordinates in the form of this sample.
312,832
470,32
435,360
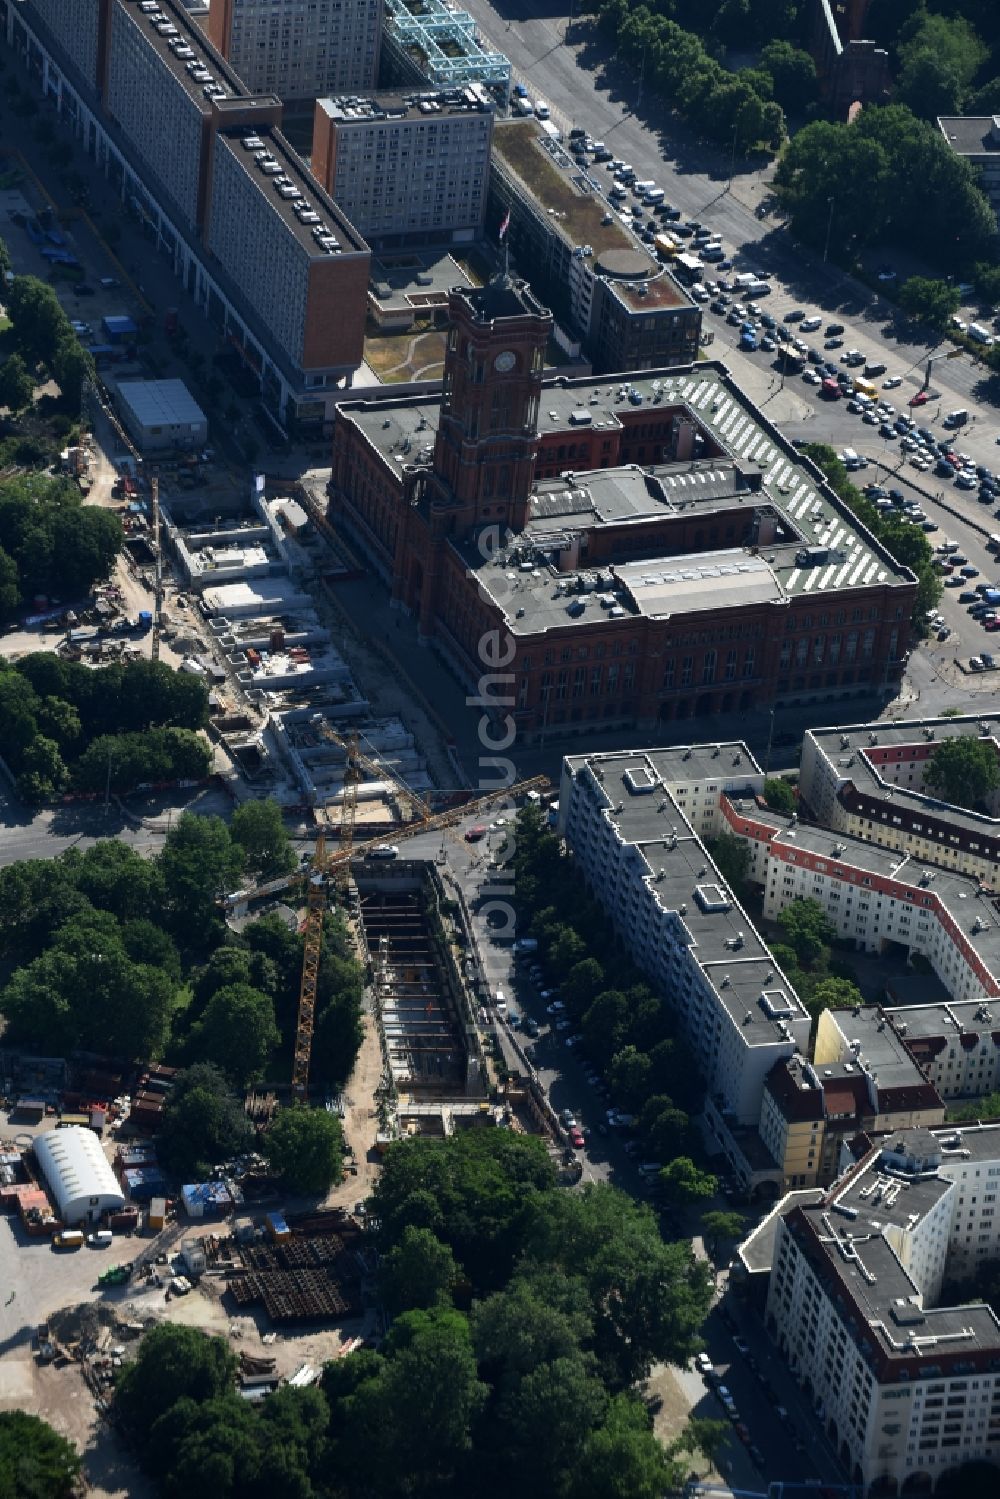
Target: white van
744,279
957,418
642,188
383,851
654,196
756,288
979,334
101,1238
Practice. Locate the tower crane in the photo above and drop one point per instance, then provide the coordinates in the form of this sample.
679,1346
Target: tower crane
154,491
338,864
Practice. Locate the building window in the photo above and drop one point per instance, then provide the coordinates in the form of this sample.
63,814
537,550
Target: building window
708,668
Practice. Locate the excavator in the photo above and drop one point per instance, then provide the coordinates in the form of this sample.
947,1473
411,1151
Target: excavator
324,865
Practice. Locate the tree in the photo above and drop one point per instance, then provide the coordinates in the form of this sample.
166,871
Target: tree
793,75
43,771
71,364
581,983
702,1435
682,1181
987,276
174,1362
778,795
933,302
665,1128
606,1024
963,771
731,857
35,1462
834,994
649,1297
717,1227
305,1148
38,318
257,828
17,384
117,879
545,1420
198,864
237,1032
629,1077
418,1272
540,1316
623,1459
410,1426
202,1124
807,929
930,85
10,595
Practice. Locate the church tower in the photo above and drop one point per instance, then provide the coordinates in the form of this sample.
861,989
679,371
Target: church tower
487,440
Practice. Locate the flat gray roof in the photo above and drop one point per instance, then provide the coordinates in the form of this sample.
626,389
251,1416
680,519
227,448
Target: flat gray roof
407,104
161,403
970,135
192,54
949,1020
677,764
680,873
972,909
882,1051
291,187
853,754
819,546
701,580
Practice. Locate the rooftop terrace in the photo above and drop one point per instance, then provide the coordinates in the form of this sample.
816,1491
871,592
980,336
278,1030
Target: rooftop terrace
565,197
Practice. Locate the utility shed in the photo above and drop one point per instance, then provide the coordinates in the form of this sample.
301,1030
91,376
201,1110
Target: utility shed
161,414
78,1175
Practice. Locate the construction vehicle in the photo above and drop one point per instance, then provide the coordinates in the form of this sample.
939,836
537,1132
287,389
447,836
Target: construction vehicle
115,1275
425,820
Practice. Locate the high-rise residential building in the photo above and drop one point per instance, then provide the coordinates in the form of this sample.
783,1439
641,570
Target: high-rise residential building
905,1381
262,249
407,167
300,49
623,818
294,257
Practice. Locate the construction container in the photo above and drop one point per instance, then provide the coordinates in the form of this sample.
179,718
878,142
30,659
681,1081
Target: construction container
156,1217
277,1228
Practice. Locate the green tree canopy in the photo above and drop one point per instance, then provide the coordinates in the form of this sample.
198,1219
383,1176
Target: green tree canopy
779,795
17,384
963,770
257,828
305,1148
933,302
417,1273
683,1182
199,863
202,1124
35,1462
718,1227
807,929
173,1362
793,75
237,1032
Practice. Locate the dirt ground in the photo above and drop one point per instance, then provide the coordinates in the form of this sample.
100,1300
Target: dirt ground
670,1418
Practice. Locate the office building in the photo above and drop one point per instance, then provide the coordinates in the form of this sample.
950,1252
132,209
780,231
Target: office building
868,780
626,830
906,1384
976,139
650,545
299,51
629,311
264,253
410,168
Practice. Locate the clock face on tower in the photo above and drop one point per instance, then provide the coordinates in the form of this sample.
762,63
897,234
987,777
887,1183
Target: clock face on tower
504,362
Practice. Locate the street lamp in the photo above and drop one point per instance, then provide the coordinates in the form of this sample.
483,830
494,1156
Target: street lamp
829,226
732,158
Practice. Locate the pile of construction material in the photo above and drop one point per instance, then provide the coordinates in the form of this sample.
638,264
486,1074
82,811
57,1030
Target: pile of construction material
308,1274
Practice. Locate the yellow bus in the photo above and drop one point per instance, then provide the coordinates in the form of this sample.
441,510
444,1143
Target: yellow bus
866,388
666,246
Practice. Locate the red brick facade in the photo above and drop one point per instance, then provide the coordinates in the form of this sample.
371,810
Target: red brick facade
637,669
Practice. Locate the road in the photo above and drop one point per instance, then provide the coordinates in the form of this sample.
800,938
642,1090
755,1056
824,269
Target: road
25,834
